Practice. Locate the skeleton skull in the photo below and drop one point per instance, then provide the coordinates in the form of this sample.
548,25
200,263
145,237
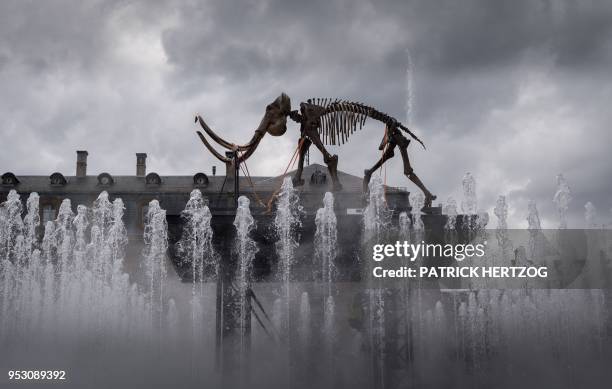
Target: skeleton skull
275,119
274,122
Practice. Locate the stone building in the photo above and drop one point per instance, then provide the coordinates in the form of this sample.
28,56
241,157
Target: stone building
138,190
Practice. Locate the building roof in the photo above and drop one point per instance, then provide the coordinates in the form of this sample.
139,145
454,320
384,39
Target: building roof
173,184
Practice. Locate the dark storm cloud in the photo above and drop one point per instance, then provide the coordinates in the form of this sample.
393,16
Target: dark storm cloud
514,91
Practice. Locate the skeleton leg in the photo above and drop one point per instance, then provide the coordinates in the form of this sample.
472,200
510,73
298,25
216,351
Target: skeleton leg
387,154
297,178
409,172
330,160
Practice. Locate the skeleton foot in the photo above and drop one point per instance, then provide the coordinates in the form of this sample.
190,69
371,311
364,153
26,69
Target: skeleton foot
429,198
332,165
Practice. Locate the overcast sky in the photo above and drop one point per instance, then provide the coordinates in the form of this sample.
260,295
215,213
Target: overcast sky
513,91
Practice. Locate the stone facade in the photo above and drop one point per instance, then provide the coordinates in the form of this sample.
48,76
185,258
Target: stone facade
173,192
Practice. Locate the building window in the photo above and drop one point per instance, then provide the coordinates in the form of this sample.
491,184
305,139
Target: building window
48,213
57,179
153,179
9,179
200,180
105,179
318,178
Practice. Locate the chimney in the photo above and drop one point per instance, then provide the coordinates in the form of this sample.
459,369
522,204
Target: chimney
214,170
141,164
81,168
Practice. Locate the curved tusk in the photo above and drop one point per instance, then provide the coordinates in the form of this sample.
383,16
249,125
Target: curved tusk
211,149
253,145
218,139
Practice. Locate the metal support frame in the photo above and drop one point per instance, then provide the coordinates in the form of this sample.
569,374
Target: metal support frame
236,177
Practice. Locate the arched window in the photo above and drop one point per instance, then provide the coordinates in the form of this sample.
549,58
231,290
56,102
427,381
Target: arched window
57,179
200,180
318,178
105,179
9,179
153,179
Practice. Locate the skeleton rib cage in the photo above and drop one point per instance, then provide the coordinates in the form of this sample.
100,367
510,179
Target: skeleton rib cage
342,118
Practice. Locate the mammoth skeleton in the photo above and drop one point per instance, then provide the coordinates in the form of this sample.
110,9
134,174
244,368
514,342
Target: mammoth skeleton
323,121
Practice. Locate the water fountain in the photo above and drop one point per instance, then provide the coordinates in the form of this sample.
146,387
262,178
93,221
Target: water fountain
69,291
196,249
469,204
450,210
403,222
155,247
245,246
326,241
286,224
12,225
562,199
68,287
304,323
235,354
501,231
590,215
417,201
536,239
31,221
376,221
